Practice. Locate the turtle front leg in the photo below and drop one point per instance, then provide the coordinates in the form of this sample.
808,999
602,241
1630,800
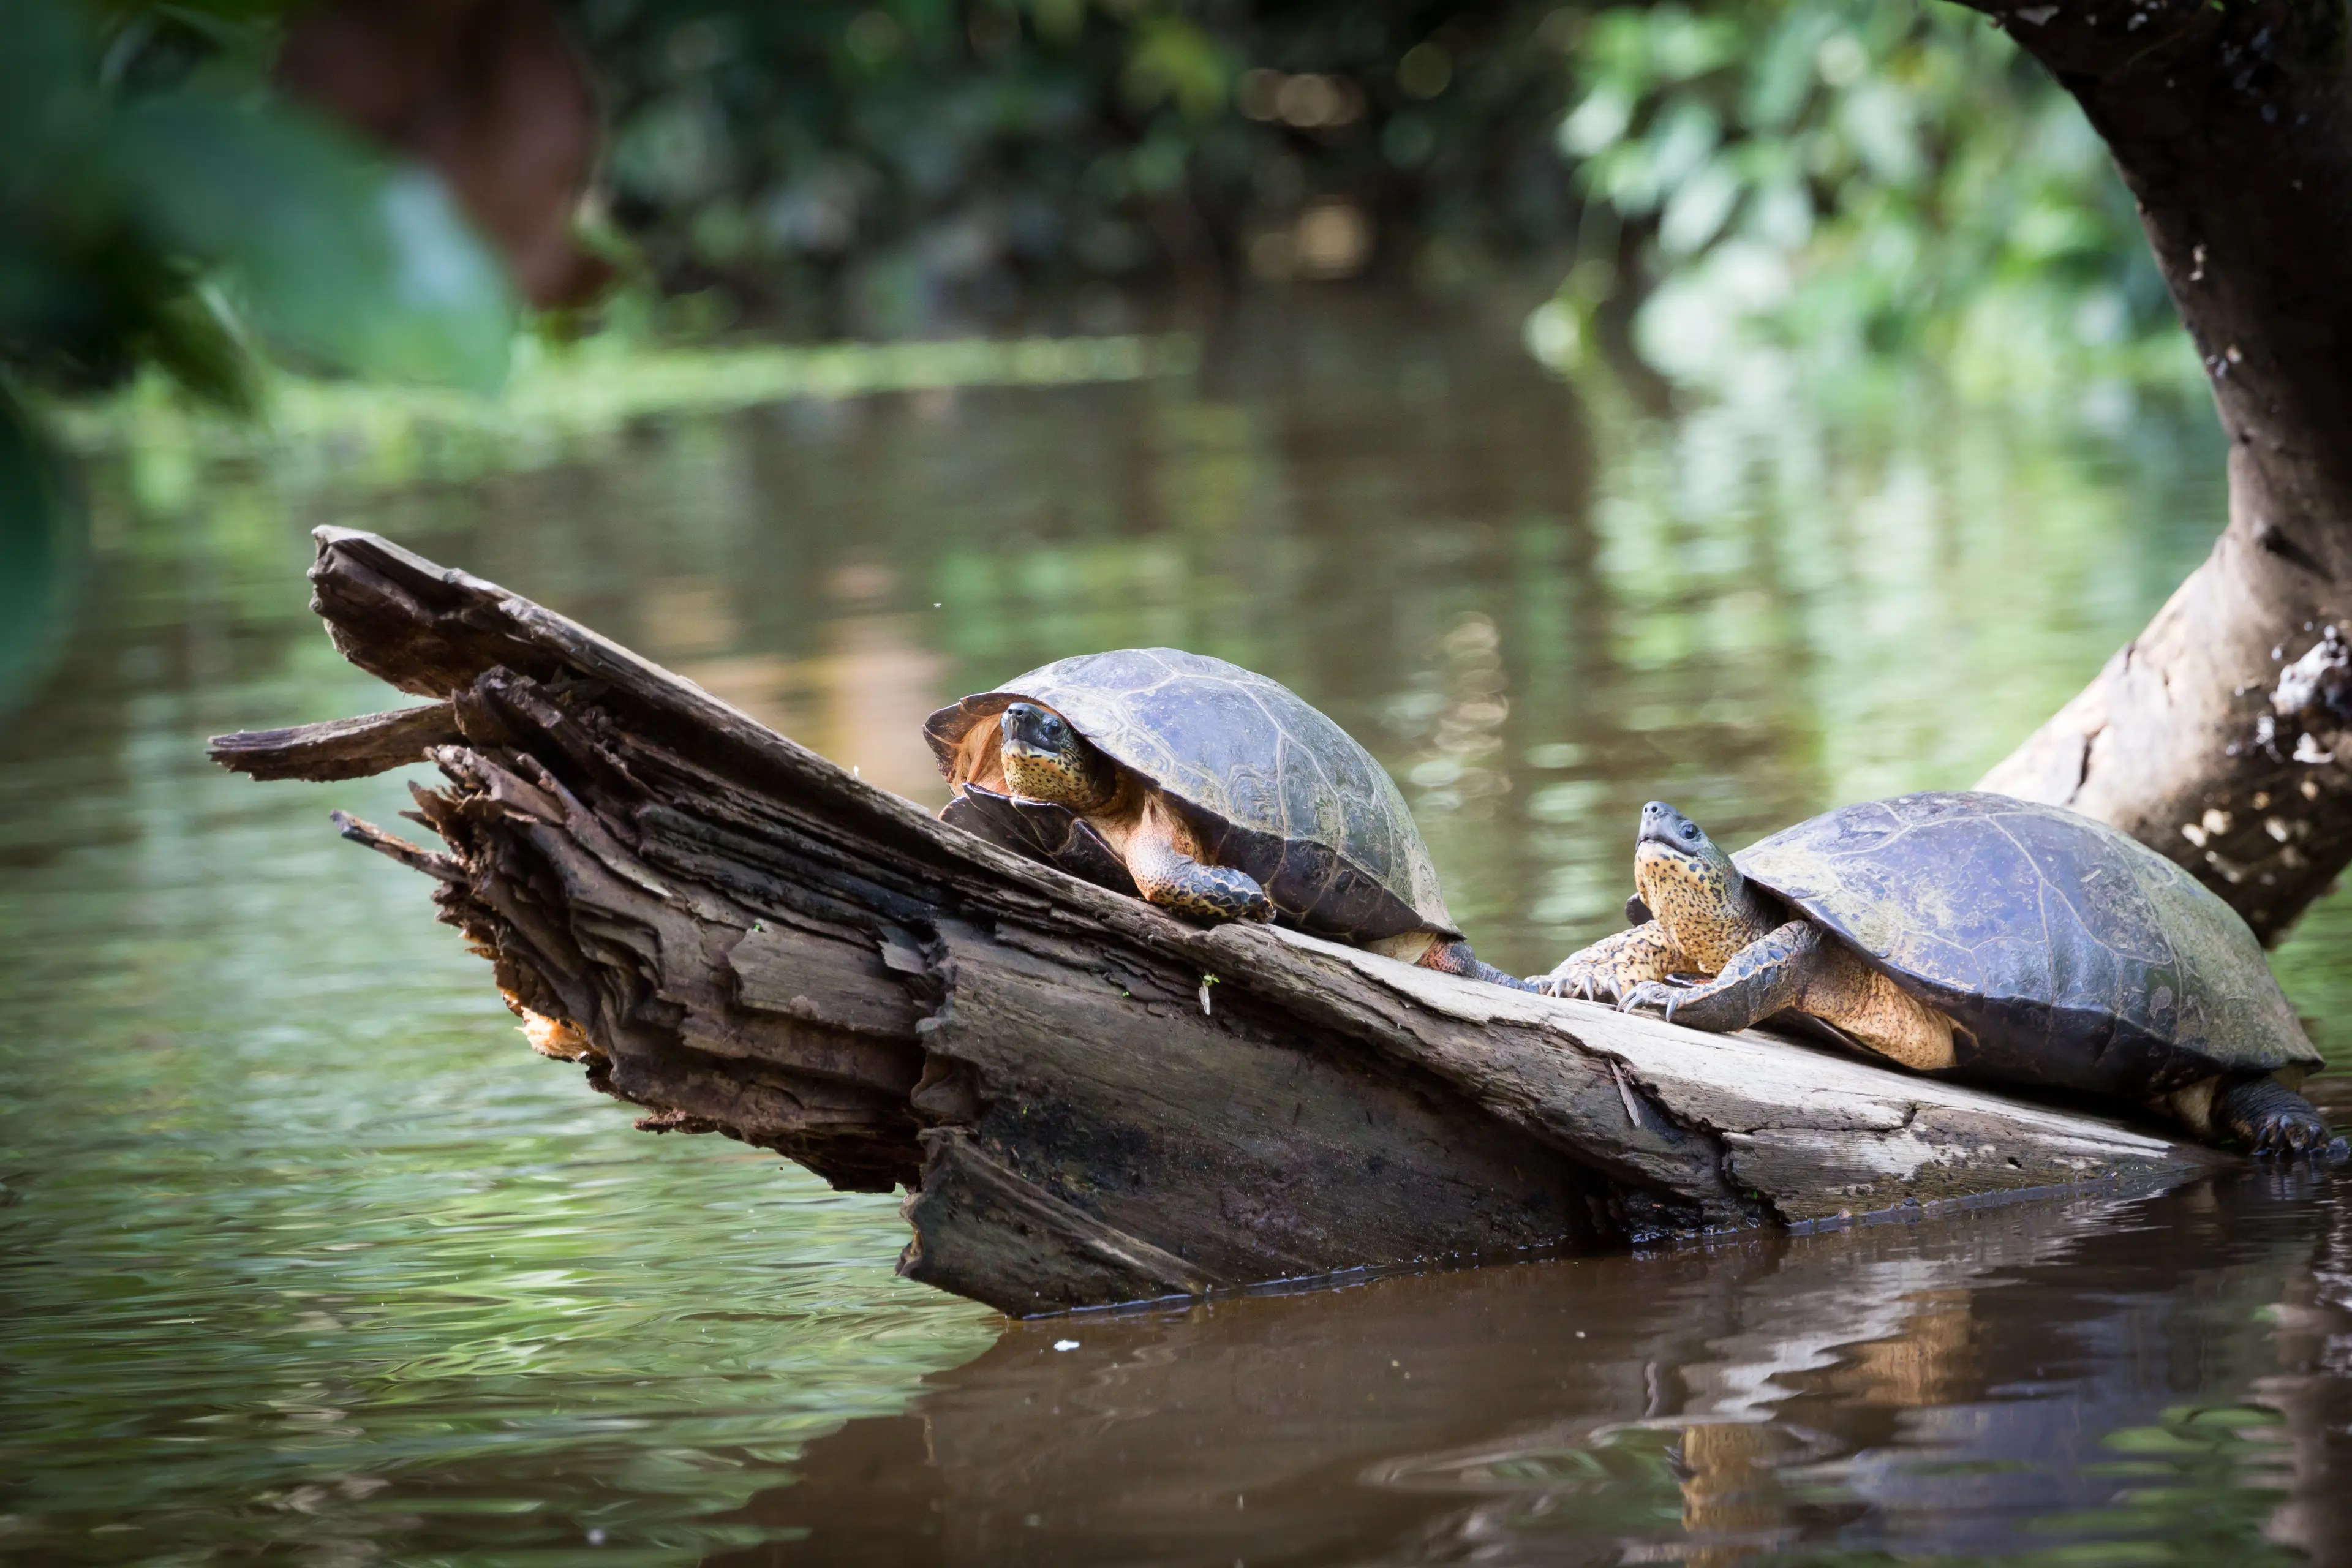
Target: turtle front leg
1159,857
1614,965
1766,975
1796,967
2271,1118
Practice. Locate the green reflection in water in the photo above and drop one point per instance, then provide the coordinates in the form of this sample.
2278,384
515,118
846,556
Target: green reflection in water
301,1250
303,1254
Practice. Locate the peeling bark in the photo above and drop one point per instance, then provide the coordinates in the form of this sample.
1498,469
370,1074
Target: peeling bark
735,934
2232,126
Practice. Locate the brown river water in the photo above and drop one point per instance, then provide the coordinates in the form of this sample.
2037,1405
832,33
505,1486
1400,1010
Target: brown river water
305,1259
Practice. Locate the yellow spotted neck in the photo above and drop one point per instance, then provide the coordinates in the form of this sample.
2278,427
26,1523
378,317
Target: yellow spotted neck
1060,777
1709,919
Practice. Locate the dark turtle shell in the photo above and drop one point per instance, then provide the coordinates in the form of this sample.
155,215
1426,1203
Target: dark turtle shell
2077,956
1273,786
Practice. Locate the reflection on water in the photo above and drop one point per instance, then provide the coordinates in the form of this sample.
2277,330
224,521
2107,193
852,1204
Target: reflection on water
2112,1374
303,1257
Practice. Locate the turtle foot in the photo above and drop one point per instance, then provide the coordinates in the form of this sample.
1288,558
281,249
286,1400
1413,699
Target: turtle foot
2273,1120
2293,1135
1581,981
1216,894
1221,902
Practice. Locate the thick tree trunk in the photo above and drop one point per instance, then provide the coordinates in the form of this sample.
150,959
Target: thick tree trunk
2215,734
1088,1101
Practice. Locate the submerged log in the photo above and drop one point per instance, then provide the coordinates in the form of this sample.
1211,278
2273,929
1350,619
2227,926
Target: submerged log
1086,1101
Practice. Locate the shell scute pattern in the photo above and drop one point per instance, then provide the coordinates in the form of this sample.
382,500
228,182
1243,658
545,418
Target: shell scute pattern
1277,787
2075,953
1254,795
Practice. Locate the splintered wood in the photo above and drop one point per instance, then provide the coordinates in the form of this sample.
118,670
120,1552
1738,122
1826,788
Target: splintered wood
730,932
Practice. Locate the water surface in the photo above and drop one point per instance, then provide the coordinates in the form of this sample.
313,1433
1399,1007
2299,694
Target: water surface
304,1257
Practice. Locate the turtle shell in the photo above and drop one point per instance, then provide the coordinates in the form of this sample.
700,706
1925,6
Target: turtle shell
2075,955
1271,785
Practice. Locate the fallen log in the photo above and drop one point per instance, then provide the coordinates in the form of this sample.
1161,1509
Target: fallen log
1088,1101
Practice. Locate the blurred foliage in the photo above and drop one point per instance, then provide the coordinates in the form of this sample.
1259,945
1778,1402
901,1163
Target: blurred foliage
926,164
1828,175
1824,180
157,207
565,401
1842,180
39,551
1847,181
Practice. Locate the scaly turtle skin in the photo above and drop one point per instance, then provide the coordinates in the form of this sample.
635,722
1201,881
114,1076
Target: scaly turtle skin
1975,934
1205,788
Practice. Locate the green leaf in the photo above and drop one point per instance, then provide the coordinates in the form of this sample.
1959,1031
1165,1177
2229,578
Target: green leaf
1700,208
40,552
1596,124
1176,58
197,343
362,266
1782,75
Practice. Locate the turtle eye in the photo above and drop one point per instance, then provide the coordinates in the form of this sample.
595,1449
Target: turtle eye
1690,830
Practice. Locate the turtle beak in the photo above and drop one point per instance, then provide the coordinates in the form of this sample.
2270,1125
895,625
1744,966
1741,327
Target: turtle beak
1661,823
1029,728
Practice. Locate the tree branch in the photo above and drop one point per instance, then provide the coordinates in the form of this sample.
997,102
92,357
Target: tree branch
2232,122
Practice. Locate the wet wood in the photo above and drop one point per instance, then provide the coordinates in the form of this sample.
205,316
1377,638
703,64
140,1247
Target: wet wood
1085,1100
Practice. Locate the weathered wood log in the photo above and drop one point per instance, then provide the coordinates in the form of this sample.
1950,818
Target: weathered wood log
1086,1100
343,749
2213,735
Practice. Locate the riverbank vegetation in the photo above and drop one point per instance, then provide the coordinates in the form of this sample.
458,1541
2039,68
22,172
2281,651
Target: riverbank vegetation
1834,176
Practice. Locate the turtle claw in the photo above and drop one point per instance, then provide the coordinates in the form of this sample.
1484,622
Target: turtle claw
1578,983
1652,996
2292,1135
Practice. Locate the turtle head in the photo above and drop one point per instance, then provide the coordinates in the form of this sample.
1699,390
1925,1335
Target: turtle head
1693,887
1046,759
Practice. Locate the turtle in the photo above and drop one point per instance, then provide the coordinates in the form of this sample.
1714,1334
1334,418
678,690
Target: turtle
1205,788
1967,934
